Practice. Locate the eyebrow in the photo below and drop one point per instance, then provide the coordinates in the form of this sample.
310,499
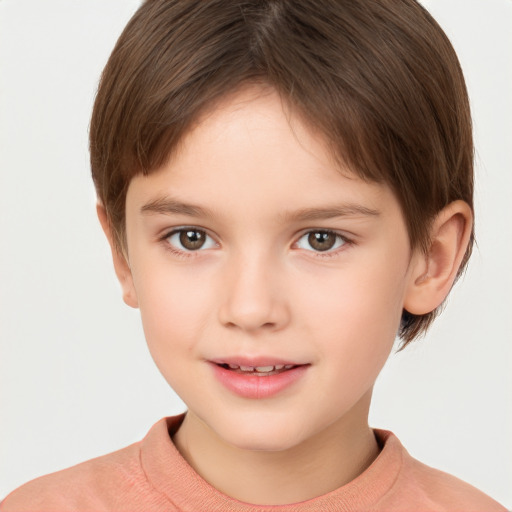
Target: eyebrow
329,212
169,206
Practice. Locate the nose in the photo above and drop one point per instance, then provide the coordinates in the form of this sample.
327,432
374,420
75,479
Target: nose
254,296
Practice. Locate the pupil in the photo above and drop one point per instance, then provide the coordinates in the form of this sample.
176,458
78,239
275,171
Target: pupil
192,239
321,240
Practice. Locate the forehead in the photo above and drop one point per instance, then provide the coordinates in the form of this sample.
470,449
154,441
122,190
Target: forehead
256,121
251,151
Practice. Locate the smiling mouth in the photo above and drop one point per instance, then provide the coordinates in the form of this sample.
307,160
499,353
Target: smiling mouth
264,378
258,371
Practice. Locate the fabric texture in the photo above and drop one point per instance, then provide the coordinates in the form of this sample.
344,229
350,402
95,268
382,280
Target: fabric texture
152,476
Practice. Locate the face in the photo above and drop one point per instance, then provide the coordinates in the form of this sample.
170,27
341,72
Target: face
270,281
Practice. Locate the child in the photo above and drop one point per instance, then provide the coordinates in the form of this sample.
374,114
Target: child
285,186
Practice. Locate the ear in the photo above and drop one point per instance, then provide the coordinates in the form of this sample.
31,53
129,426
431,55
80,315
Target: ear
433,273
121,265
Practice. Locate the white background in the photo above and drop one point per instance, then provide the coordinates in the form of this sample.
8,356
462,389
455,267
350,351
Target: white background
76,379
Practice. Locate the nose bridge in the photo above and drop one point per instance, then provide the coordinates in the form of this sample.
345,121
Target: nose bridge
253,297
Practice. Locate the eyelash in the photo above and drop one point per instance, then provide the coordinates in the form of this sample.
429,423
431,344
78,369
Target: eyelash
330,253
185,254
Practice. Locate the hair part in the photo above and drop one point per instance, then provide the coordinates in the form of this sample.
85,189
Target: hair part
378,79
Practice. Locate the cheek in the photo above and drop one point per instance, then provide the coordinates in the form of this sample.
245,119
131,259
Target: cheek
356,301
173,317
355,317
172,307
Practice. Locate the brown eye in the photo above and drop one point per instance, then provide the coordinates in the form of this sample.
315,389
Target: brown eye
321,240
192,239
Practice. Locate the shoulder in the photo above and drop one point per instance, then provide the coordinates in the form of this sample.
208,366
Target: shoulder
433,489
92,485
114,482
450,491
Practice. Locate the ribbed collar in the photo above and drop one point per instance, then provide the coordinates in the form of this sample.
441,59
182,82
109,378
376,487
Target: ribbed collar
170,474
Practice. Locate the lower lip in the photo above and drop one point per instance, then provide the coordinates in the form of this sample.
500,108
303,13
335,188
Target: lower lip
254,386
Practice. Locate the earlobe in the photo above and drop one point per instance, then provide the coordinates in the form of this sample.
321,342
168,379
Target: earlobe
121,265
433,272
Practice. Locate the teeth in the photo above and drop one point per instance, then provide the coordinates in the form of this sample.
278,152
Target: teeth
264,369
260,369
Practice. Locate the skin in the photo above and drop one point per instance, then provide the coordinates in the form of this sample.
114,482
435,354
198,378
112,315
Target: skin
258,287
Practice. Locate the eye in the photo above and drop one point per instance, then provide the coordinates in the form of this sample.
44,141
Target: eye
190,239
321,241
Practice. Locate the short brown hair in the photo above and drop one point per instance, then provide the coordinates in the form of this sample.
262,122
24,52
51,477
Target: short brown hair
378,78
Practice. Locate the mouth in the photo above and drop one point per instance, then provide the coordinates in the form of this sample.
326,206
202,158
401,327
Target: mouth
258,378
258,371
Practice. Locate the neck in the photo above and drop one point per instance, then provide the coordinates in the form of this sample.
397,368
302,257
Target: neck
322,463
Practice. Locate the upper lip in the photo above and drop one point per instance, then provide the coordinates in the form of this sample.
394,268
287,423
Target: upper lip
255,361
